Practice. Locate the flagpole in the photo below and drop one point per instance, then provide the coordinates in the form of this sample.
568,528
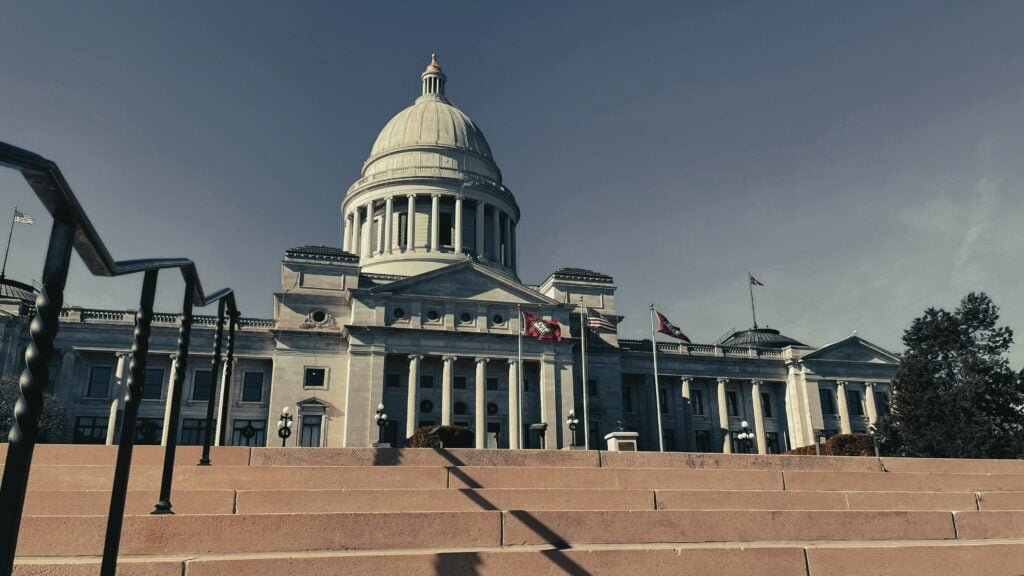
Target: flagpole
519,381
753,311
657,388
586,387
7,251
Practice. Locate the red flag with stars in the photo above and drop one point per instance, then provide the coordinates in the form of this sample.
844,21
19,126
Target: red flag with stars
541,329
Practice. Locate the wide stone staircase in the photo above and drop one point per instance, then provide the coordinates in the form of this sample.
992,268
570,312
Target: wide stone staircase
319,512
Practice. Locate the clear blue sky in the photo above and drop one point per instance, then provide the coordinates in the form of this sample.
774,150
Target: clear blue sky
863,159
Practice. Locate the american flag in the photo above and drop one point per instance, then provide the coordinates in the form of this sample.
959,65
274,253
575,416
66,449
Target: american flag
597,321
22,218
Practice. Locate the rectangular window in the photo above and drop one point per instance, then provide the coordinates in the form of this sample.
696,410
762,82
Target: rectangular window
772,440
99,382
252,388
595,436
154,384
492,383
732,404
882,403
627,398
444,222
403,230
201,385
392,381
192,431
766,404
669,439
149,431
697,402
853,403
249,433
315,378
91,430
663,399
460,383
592,387
426,381
828,405
311,425
703,440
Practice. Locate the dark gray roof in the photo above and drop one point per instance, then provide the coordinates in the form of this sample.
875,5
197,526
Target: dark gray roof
327,253
582,274
16,290
760,338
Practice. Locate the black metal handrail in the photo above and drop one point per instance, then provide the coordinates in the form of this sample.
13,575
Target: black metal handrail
73,230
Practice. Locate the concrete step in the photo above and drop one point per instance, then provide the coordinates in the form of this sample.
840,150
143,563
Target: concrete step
96,502
91,454
622,478
737,461
953,465
423,457
808,500
904,482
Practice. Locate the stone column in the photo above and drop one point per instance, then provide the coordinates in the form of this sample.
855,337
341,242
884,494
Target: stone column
167,400
869,400
446,390
389,213
496,227
515,250
723,417
66,375
347,242
844,408
508,242
762,440
549,403
513,405
227,389
411,404
435,200
410,225
357,232
120,380
480,414
458,224
688,414
480,206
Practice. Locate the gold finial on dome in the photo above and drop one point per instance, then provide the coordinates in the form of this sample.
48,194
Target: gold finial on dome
433,79
433,66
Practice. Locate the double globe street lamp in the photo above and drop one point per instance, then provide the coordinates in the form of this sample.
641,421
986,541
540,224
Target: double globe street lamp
746,436
284,425
382,419
573,422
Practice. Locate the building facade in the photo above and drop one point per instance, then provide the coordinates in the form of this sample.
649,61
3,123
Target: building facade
419,311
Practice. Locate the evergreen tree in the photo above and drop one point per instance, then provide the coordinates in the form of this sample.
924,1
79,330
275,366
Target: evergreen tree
954,395
51,422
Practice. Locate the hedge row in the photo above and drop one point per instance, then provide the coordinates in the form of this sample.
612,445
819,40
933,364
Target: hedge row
841,445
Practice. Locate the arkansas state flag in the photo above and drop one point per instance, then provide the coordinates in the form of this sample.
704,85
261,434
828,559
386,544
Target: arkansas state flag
666,327
541,329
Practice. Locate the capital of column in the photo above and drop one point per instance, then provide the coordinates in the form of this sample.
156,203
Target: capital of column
416,357
481,359
686,379
842,383
870,385
513,361
756,382
723,380
435,195
449,358
411,196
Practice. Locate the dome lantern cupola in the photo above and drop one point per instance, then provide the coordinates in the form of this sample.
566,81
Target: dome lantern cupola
433,79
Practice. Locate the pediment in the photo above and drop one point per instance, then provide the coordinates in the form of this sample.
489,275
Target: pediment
853,349
465,281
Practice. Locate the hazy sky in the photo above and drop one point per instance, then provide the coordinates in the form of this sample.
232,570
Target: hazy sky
864,160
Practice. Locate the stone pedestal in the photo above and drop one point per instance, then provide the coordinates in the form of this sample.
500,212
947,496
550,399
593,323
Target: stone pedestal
622,441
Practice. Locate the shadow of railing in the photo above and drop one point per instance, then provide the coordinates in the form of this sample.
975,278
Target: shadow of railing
72,230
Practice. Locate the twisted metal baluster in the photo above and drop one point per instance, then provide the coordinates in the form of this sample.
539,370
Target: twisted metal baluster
21,440
136,377
214,377
163,506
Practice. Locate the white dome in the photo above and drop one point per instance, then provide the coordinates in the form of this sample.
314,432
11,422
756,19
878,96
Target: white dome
431,121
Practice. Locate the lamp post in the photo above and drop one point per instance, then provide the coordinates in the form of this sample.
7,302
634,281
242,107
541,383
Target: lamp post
872,430
746,435
382,419
284,426
572,421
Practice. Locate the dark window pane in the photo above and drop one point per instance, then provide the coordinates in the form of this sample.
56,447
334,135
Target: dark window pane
315,377
766,404
311,431
249,433
827,404
459,384
201,381
697,400
444,221
99,382
149,431
90,430
592,387
492,383
392,380
192,431
426,381
252,387
154,384
853,403
731,404
703,440
663,399
669,440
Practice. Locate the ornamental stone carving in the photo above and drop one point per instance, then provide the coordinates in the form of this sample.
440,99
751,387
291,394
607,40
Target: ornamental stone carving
319,320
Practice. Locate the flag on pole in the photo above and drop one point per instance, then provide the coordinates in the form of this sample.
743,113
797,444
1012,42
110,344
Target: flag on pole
541,329
22,218
754,281
666,327
597,321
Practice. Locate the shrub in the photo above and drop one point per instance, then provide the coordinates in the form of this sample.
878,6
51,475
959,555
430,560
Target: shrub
442,437
840,445
52,427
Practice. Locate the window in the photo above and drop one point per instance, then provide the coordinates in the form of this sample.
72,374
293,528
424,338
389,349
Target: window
697,402
595,436
627,398
663,399
427,381
201,385
492,383
498,319
403,230
460,383
310,435
772,440
732,405
99,382
445,228
703,440
882,403
398,313
149,431
669,439
392,381
526,385
465,318
766,404
249,433
154,384
591,387
192,431
828,404
433,315
315,378
91,429
853,403
252,387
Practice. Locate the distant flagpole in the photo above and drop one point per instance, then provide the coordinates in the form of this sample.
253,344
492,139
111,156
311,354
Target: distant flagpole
7,251
657,388
519,381
753,311
586,384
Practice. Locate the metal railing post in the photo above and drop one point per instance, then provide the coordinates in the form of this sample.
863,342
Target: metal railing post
214,377
136,378
225,394
22,438
163,506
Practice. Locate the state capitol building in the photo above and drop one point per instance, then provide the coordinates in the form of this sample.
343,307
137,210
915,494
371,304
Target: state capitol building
418,311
